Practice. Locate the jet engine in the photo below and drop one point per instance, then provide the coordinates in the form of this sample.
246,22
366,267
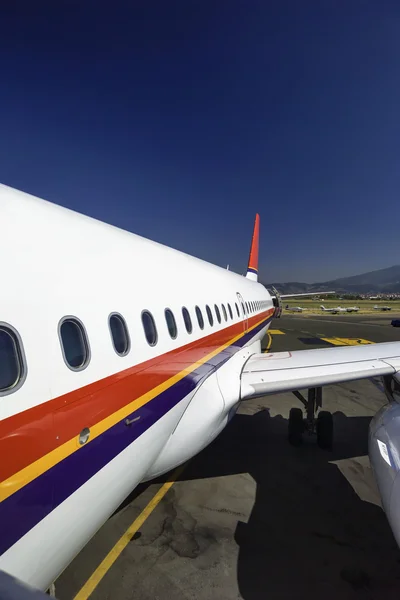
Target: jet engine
384,452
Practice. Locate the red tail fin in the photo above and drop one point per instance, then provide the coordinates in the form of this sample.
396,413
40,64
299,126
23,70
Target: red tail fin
252,268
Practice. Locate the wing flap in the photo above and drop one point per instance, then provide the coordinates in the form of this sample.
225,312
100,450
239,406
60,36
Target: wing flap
301,369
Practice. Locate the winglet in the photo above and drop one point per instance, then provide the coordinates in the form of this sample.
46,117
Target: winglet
252,269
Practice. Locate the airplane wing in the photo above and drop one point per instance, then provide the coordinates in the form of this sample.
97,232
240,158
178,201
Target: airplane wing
305,294
301,369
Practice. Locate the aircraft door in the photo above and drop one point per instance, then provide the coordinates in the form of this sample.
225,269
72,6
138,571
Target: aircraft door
242,308
277,302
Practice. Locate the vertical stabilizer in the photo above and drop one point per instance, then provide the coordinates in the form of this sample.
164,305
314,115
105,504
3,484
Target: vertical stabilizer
252,268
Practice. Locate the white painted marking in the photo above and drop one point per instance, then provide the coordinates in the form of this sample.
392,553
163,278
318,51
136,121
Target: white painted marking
384,452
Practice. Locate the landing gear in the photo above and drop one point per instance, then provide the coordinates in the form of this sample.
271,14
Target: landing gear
322,425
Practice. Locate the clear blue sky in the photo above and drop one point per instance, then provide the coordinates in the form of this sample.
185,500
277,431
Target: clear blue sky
180,120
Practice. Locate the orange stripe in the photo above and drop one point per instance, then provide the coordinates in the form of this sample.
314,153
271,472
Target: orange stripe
27,436
34,470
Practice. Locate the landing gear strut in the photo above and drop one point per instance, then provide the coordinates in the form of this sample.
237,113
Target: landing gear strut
321,425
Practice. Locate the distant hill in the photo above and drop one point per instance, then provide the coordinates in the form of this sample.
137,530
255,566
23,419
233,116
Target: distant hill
382,281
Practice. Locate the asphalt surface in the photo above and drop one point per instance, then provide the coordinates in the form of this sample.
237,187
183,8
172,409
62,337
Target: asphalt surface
252,517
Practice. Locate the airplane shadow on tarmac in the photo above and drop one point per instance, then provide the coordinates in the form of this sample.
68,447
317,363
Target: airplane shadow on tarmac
309,534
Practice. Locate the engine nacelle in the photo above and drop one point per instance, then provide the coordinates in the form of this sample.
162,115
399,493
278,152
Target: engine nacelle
384,454
391,385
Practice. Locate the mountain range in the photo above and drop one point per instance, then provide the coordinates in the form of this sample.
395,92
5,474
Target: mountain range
385,281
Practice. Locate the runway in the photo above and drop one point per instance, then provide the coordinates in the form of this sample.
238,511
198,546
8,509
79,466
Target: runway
252,517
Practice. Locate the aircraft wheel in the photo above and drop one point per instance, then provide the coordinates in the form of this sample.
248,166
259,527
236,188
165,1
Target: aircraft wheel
296,426
325,430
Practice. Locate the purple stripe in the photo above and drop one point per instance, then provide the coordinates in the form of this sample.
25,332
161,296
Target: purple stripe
29,505
251,270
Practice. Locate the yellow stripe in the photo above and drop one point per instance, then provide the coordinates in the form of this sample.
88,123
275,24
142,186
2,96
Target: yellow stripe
276,332
112,556
37,468
347,341
269,342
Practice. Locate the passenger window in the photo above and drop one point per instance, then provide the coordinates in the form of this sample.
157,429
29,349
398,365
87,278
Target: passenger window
119,334
224,312
199,317
217,313
209,315
171,323
74,344
187,319
237,310
230,311
149,328
11,360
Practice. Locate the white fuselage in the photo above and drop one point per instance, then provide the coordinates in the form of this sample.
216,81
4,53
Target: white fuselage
337,309
145,412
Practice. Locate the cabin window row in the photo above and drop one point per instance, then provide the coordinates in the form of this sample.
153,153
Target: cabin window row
75,344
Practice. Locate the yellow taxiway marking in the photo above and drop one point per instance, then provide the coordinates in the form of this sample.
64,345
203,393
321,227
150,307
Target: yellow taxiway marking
347,341
270,333
269,342
114,553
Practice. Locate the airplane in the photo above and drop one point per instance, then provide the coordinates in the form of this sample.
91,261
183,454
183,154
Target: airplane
295,308
377,307
334,311
351,309
120,359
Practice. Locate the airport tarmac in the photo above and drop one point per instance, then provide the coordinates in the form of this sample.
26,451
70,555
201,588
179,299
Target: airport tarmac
252,517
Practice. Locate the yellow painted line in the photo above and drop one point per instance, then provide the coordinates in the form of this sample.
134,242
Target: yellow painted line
276,332
347,341
269,342
24,476
114,553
